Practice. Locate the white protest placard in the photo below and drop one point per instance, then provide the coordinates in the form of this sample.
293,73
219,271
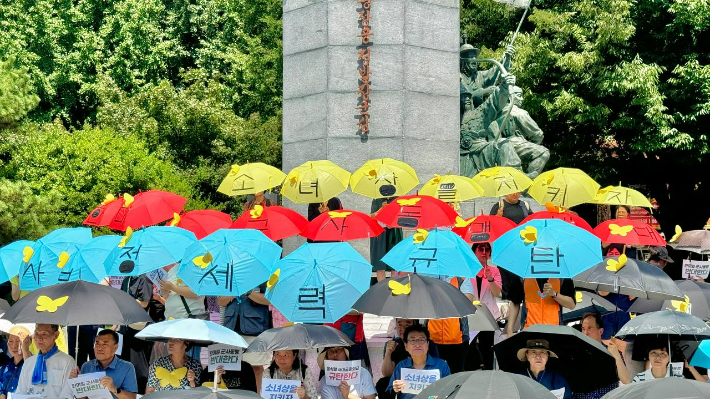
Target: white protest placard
156,275
348,371
692,268
229,357
22,396
279,389
677,369
416,380
88,385
559,393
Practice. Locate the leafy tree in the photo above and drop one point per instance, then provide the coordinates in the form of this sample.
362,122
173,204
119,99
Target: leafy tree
24,214
16,95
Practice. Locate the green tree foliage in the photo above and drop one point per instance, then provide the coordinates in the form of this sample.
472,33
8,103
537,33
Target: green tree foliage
24,214
16,95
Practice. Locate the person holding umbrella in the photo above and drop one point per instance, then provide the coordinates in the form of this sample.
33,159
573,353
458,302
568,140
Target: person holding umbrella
536,353
287,365
175,371
45,373
486,287
660,363
364,390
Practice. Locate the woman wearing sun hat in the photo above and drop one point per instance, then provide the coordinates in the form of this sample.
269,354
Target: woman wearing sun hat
364,390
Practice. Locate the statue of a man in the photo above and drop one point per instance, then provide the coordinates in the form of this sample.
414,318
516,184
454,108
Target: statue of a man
525,135
481,144
480,83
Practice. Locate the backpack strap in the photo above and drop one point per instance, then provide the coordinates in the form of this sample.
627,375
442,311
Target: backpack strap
526,208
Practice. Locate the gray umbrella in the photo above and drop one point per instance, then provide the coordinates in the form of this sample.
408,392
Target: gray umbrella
484,384
676,325
697,241
203,393
298,336
590,303
663,388
482,320
636,278
698,297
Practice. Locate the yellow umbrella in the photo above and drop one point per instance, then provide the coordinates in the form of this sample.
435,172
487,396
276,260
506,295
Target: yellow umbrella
251,178
451,188
501,180
382,178
619,195
564,187
315,181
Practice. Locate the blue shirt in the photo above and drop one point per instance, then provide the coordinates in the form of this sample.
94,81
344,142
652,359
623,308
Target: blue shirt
432,363
121,372
10,376
551,380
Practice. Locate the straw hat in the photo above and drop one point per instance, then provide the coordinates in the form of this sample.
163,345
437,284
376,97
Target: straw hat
535,344
321,355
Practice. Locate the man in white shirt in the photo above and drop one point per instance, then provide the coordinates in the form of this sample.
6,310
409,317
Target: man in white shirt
45,373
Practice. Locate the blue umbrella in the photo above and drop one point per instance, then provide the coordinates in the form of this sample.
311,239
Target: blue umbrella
11,257
701,358
88,263
228,262
318,283
148,249
199,332
437,252
50,255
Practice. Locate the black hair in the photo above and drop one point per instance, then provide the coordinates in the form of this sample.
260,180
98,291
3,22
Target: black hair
628,209
478,244
415,328
297,363
112,333
54,327
596,316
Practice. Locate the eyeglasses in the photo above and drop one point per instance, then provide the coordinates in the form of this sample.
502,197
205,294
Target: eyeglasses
417,341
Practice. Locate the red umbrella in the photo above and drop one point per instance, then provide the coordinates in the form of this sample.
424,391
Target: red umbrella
566,216
343,225
628,231
417,212
147,208
103,214
203,222
276,222
483,228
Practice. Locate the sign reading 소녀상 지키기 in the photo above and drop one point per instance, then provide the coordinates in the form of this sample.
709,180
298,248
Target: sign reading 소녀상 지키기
416,380
88,385
279,389
227,356
336,371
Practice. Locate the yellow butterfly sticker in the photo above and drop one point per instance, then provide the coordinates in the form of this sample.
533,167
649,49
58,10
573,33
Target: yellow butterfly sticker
398,288
126,238
678,232
461,222
203,261
553,209
108,199
234,170
529,234
273,279
63,259
617,230
435,180
614,265
176,220
408,202
477,303
256,212
336,214
27,253
632,315
372,173
682,306
420,236
293,180
578,297
128,200
171,378
47,304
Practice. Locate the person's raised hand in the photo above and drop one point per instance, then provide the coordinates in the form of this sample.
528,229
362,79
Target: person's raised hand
107,382
398,385
344,389
301,392
391,346
74,373
191,377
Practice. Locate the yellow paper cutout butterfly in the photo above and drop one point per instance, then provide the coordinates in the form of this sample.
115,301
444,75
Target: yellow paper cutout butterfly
293,179
632,315
27,253
617,230
256,212
234,170
126,238
176,220
614,265
171,378
461,222
63,259
372,173
398,288
408,202
273,279
203,261
420,236
529,234
578,297
47,304
681,306
477,303
128,200
336,214
108,199
435,180
678,232
553,209
550,179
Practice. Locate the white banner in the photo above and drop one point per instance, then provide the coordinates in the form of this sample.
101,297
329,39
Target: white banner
416,380
515,3
348,371
279,389
88,385
229,357
692,268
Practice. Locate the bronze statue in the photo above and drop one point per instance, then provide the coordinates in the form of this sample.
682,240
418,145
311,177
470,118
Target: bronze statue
480,83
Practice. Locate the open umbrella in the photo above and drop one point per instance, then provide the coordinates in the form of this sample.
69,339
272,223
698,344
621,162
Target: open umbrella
202,222
276,222
383,178
343,225
628,231
619,195
203,393
146,208
486,384
701,357
228,262
417,212
587,302
250,178
697,241
696,302
11,257
565,187
315,181
415,297
578,356
88,262
483,319
451,188
679,326
199,332
561,215
437,252
663,388
20,329
501,180
318,283
298,336
483,228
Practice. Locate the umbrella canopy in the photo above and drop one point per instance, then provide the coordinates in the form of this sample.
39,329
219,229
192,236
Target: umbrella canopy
697,241
200,332
679,326
436,252
546,248
629,277
250,178
415,297
77,303
619,195
299,336
228,262
486,384
587,302
451,188
383,178
417,212
483,228
318,283
578,356
104,212
315,181
20,329
628,231
696,302
483,319
148,249
565,187
146,208
202,222
276,222
701,358
11,257
561,215
88,262
343,225
49,255
663,388
203,393
501,180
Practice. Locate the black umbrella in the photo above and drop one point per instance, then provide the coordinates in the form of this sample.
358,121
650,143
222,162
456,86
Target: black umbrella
663,388
698,303
298,336
424,298
636,278
482,320
486,384
579,356
203,393
587,302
